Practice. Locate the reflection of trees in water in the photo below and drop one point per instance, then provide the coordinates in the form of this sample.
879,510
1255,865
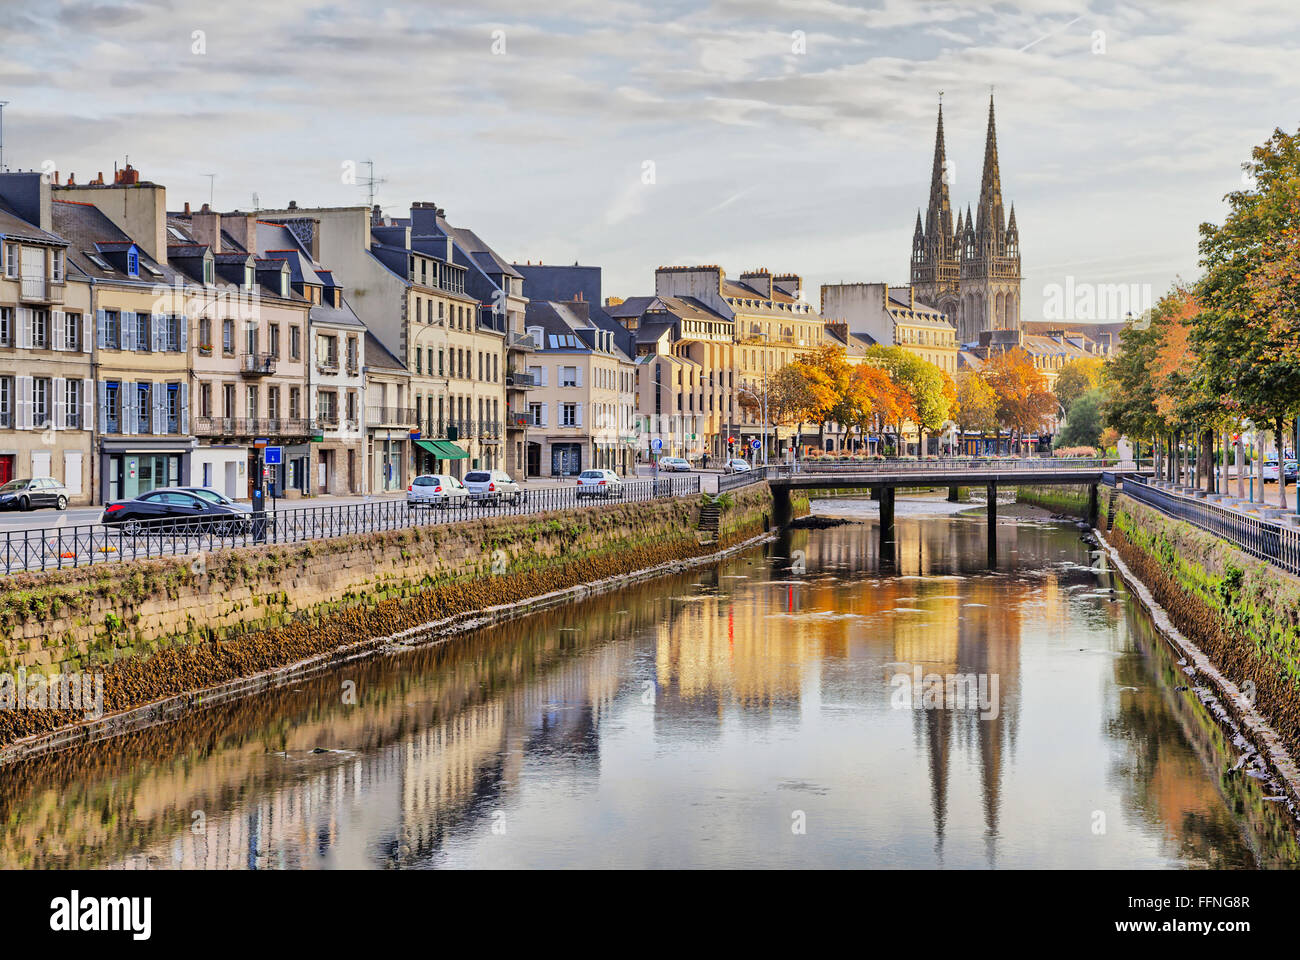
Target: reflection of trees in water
1162,777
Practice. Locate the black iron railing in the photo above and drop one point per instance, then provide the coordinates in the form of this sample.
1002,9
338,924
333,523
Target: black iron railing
78,546
1274,540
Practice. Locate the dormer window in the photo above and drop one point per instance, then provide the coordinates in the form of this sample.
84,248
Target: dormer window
208,272
133,262
284,284
249,276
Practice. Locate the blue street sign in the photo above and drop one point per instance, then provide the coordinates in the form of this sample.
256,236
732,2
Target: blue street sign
754,444
273,456
656,444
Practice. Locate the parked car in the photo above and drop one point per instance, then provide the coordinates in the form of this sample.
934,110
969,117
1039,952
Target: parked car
493,486
599,483
174,509
736,465
674,464
1291,470
1270,469
436,490
33,493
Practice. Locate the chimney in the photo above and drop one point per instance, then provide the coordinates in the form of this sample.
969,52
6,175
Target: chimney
206,227
187,208
72,179
293,204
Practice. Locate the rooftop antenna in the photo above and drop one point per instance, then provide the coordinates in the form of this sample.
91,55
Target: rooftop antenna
370,183
3,104
257,203
212,179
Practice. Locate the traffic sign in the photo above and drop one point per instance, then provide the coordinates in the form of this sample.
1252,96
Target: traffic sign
272,457
754,444
260,442
656,444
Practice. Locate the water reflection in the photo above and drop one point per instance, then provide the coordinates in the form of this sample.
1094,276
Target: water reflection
697,721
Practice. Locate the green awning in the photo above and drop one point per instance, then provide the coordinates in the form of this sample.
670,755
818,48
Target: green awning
443,449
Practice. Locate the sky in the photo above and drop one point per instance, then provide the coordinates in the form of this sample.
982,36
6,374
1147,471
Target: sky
795,135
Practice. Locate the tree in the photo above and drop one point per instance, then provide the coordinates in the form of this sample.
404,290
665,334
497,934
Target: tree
1084,424
827,371
931,393
1024,402
977,404
1247,330
1076,378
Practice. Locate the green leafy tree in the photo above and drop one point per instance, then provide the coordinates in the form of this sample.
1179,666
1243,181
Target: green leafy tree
930,390
1084,423
1077,378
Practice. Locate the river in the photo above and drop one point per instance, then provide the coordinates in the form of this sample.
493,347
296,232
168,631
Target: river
779,709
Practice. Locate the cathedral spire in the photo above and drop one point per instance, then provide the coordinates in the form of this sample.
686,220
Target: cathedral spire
991,224
938,216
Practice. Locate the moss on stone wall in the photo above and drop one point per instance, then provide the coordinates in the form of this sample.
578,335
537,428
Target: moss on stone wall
1068,499
376,585
1244,613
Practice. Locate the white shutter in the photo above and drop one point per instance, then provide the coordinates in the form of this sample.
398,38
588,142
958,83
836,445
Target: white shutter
577,414
130,393
577,372
157,333
126,327
87,333
88,404
544,406
24,403
25,328
185,408
60,387
546,379
59,335
159,397
101,328
185,333
102,396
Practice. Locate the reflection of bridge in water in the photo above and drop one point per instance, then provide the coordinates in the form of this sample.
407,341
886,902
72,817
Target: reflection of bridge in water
886,477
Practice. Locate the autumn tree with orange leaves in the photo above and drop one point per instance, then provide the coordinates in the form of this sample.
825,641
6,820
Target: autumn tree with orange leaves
1024,403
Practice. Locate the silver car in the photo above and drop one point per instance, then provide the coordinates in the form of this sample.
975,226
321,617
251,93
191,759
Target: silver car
674,463
599,483
436,490
493,487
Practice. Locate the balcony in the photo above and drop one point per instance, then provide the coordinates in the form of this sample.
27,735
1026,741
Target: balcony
254,427
490,429
404,417
521,341
257,364
519,418
520,381
40,290
464,429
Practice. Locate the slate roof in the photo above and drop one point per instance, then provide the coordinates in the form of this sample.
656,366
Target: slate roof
85,227
12,225
379,356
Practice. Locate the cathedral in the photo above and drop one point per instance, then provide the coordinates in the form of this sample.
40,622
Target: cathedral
969,270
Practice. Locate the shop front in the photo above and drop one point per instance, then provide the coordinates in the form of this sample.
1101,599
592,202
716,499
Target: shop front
438,456
128,469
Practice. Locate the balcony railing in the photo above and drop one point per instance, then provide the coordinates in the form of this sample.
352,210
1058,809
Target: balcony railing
257,364
490,429
391,417
521,341
40,290
520,380
520,418
253,427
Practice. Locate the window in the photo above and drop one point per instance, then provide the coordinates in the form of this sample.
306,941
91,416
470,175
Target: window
568,414
72,331
11,260
228,399
208,272
143,327
284,283
56,266
6,402
274,333
112,411
42,403
295,402
295,343
568,376
228,337
250,339
352,355
249,276
205,399
174,333
144,408
205,333
273,403
327,350
6,326
173,408
41,329
133,262
251,397
328,406
352,405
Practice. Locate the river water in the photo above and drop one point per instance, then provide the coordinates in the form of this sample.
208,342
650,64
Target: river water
789,707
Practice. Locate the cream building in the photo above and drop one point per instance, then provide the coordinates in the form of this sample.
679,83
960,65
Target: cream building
582,407
47,337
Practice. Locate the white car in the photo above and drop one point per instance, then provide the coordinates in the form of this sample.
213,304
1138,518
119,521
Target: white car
599,483
736,465
436,490
674,463
493,486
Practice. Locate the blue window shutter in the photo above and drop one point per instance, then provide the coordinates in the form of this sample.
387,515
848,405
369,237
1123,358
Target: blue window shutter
159,396
101,324
103,402
126,325
185,333
185,407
